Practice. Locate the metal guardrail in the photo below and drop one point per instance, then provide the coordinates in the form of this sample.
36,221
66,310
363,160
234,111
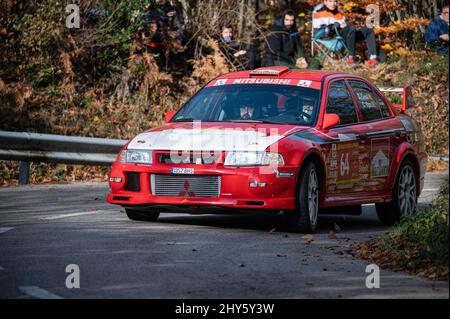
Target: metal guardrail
33,147
438,158
50,148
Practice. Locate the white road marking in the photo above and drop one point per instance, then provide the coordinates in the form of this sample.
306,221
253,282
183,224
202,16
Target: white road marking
430,190
37,292
69,215
5,229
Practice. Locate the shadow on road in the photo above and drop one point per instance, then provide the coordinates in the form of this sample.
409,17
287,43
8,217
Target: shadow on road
364,223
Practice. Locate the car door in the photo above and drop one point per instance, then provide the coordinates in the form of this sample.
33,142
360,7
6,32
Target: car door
343,155
381,134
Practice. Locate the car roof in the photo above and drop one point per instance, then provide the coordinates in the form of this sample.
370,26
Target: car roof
279,72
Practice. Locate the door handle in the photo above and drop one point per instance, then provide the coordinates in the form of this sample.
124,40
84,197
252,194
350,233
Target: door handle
399,133
362,136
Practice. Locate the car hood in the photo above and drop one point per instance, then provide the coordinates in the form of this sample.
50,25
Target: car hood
212,137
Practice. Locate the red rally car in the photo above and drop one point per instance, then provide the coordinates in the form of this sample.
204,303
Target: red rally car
276,140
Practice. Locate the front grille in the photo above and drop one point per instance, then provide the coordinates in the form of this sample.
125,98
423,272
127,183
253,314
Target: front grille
208,158
133,181
185,185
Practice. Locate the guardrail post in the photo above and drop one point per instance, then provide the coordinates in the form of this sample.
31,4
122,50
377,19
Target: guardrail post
24,173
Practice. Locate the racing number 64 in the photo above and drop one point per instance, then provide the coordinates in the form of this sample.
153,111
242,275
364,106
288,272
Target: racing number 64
345,167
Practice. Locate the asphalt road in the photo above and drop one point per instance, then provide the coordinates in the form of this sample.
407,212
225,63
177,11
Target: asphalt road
44,228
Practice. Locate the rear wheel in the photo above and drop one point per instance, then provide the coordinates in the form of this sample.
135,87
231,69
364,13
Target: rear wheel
304,218
141,215
404,197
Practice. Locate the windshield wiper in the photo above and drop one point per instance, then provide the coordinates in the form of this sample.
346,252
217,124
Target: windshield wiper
185,119
274,122
259,121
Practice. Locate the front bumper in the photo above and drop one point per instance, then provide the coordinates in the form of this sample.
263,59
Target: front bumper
234,193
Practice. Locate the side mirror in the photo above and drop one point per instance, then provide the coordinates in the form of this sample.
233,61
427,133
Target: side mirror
330,120
398,108
408,99
169,115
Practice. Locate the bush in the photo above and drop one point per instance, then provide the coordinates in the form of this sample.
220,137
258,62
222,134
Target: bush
419,244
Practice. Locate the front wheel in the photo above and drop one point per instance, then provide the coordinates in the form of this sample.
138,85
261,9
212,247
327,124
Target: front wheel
304,218
141,215
404,197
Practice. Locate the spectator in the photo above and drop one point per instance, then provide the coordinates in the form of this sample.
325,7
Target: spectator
172,24
437,32
235,52
153,38
283,45
95,13
166,17
329,18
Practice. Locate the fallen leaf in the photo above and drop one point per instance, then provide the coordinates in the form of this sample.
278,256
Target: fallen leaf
332,235
308,239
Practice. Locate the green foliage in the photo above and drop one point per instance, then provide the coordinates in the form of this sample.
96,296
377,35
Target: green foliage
116,32
421,240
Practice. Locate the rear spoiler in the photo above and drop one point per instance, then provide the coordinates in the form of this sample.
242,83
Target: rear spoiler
408,99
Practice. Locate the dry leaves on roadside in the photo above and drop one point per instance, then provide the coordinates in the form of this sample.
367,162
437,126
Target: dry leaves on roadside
308,239
337,228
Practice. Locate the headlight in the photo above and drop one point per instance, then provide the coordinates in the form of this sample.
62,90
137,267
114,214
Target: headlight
253,159
136,156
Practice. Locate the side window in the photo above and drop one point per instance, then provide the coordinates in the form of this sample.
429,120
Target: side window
341,103
371,105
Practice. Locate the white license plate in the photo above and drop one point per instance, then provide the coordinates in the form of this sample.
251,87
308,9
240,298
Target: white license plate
179,170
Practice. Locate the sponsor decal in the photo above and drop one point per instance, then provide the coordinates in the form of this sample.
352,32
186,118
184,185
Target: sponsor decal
345,166
333,163
379,165
332,175
333,150
304,83
262,81
363,168
348,146
342,161
220,82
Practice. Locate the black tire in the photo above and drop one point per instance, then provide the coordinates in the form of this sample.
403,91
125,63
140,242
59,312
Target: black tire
300,219
390,213
141,215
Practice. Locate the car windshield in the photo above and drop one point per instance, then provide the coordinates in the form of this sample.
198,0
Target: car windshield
280,104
